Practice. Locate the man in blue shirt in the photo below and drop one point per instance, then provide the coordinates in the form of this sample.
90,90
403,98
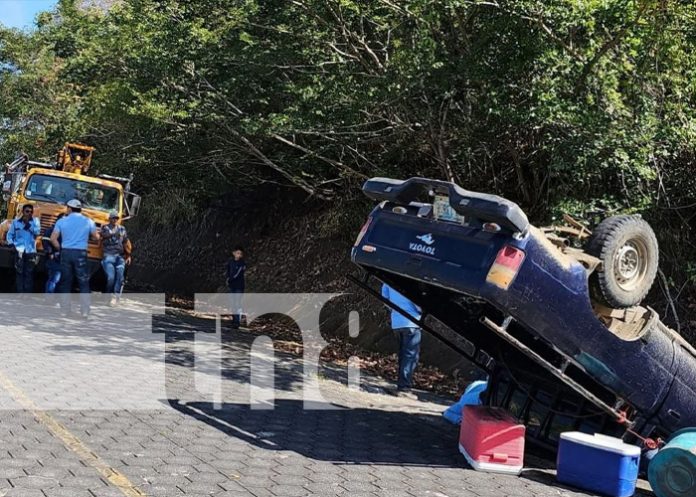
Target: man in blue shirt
22,234
408,333
70,238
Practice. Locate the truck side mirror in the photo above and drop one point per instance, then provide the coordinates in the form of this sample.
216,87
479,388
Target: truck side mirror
132,204
7,183
11,182
7,186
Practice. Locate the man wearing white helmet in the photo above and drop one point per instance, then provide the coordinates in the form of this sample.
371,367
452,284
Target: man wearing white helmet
70,237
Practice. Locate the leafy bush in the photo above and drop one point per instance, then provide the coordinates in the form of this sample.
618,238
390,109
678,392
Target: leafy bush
561,106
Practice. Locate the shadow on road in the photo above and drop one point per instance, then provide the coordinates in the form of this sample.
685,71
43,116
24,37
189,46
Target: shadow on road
549,478
349,436
360,436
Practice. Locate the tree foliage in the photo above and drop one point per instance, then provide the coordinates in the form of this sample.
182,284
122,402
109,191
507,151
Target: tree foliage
560,105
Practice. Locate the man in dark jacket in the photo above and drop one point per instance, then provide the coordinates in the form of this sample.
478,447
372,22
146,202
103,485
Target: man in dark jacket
235,282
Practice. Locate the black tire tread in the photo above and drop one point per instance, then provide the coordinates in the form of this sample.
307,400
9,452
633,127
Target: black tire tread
600,246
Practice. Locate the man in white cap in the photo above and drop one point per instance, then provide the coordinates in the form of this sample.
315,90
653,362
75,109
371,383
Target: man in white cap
70,237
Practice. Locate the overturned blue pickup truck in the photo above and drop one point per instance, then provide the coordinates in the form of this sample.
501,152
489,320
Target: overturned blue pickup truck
559,326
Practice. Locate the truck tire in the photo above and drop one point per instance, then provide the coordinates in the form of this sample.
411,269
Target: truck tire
628,249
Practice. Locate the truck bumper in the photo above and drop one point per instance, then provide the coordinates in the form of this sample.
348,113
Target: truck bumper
7,261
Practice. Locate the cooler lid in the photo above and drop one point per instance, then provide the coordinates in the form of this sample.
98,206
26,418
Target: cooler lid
601,442
491,414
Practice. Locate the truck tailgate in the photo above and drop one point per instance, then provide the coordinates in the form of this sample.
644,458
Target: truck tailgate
428,250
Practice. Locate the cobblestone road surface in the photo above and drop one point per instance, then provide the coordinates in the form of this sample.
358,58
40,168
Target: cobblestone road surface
370,445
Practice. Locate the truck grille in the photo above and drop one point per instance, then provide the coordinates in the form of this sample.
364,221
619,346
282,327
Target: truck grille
94,248
47,221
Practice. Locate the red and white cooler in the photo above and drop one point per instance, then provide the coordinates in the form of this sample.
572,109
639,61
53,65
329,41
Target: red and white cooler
491,440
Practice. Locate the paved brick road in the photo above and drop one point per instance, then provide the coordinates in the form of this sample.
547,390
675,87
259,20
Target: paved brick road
374,446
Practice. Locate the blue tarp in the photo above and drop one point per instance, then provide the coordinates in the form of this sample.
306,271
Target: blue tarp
471,397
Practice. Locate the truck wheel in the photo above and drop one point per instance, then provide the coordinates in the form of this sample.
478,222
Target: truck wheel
628,249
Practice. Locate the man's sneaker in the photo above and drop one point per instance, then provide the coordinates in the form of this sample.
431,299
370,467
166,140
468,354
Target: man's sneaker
113,301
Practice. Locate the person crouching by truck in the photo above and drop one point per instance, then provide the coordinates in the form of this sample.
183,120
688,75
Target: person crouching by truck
408,335
52,259
236,267
70,238
22,234
115,244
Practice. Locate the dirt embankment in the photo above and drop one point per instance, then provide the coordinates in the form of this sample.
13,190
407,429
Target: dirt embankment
292,246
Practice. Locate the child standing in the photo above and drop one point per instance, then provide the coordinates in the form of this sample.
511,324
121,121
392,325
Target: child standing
235,282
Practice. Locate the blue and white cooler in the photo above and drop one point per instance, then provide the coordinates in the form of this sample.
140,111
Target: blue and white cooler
598,463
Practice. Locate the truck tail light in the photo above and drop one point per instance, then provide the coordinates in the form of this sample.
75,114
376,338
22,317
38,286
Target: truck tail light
505,267
363,230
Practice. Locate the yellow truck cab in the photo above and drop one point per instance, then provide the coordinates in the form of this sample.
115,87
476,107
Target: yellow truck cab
48,187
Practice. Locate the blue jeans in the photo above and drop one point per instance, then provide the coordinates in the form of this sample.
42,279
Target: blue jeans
73,264
114,267
24,268
409,352
53,269
236,306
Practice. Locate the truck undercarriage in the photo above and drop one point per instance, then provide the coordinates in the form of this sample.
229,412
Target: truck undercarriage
519,378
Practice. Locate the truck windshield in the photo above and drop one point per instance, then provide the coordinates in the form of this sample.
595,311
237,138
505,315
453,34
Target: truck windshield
59,190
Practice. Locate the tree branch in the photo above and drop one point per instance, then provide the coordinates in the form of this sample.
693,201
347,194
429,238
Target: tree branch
268,162
608,45
332,162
